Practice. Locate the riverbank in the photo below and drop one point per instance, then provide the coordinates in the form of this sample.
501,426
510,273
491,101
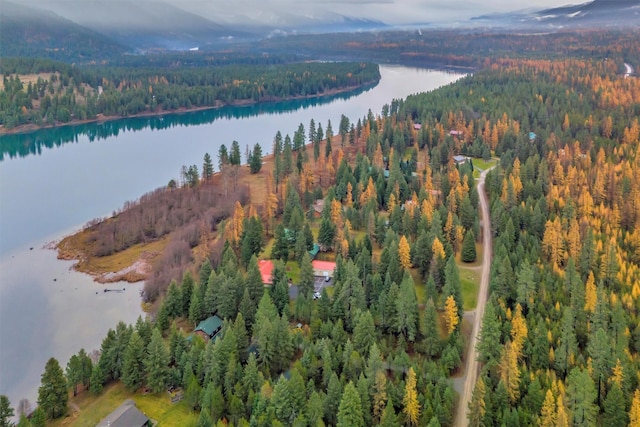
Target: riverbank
101,118
134,264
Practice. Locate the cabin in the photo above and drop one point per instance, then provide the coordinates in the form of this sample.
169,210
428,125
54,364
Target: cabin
318,207
323,268
126,415
209,328
456,133
266,271
460,160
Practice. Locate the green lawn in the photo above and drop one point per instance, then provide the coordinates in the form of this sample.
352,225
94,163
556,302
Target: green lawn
483,164
469,280
157,407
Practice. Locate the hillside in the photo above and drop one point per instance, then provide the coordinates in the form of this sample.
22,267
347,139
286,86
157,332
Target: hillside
30,32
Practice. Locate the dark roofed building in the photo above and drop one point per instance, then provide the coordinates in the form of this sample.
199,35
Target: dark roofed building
209,328
126,415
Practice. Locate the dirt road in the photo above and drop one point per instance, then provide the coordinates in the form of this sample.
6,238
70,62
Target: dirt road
471,368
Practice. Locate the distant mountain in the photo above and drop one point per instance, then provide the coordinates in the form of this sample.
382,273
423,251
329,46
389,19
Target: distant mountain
143,24
598,13
153,24
31,32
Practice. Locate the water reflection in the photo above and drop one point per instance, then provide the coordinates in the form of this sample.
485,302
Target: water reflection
25,144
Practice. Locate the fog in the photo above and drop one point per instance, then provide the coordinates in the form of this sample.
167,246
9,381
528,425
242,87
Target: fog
286,13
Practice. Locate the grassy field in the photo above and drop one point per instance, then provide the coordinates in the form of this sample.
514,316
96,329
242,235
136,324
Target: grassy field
68,249
483,164
157,407
469,280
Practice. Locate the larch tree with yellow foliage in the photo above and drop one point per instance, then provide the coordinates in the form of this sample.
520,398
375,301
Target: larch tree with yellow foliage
411,406
404,253
451,318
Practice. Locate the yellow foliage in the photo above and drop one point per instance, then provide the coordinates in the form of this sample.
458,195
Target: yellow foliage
451,314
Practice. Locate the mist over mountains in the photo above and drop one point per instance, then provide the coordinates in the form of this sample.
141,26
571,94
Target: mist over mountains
94,29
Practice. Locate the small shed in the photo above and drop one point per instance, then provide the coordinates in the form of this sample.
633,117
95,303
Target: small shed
209,328
266,270
126,415
314,252
323,268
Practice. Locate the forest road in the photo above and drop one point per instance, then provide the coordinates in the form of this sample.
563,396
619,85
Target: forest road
471,368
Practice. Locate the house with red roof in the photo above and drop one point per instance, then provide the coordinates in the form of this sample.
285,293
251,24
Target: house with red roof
266,270
323,268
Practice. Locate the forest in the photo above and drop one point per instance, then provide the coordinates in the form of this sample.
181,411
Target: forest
64,92
559,342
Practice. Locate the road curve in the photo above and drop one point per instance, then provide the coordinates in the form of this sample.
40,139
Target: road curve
471,368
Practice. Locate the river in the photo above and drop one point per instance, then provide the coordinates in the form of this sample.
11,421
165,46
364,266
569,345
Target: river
52,181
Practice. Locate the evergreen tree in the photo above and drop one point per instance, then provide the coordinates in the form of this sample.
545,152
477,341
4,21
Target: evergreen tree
327,233
207,167
73,373
234,155
469,247
581,394
431,338
406,320
6,412
350,410
186,292
615,414
38,418
133,369
173,300
52,394
255,159
280,248
280,286
389,417
156,363
364,333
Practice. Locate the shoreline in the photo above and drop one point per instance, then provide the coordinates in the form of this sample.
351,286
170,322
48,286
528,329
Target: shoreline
100,118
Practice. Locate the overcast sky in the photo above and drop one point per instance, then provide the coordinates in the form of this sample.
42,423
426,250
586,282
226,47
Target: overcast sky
388,11
398,12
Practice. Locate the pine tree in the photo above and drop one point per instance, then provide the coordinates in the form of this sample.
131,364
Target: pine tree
411,406
207,167
350,410
255,159
6,412
389,417
364,333
133,369
615,414
581,394
406,319
52,394
156,363
469,247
